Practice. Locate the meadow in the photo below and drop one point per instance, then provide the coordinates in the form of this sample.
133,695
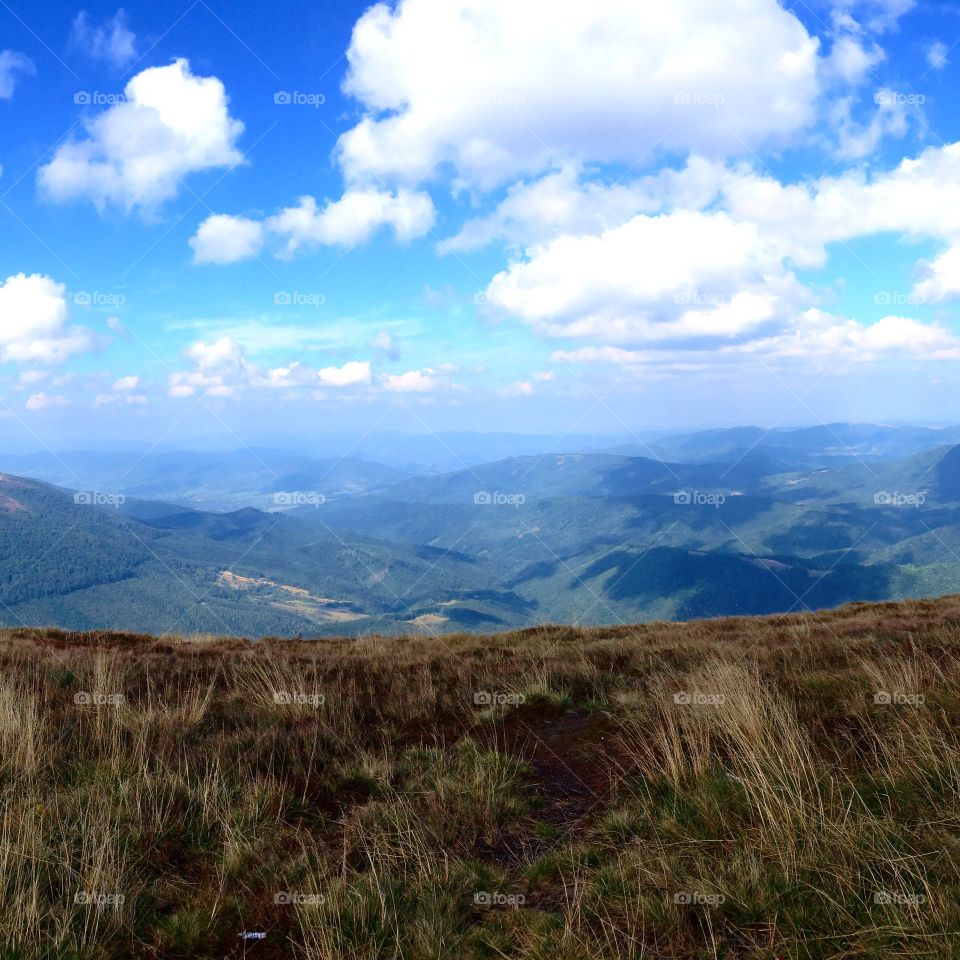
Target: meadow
745,788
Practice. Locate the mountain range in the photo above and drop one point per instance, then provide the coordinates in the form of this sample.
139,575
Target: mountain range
275,542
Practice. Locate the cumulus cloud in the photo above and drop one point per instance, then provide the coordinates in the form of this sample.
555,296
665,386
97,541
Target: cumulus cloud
724,271
222,368
12,65
427,380
43,401
112,41
171,124
515,88
349,375
387,344
936,55
353,219
942,277
225,239
35,325
687,274
347,222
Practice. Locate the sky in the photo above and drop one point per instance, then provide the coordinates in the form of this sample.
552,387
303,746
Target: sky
617,216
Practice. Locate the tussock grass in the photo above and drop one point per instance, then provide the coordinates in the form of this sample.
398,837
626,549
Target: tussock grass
741,788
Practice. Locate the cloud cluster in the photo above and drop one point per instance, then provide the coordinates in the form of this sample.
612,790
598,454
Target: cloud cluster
36,327
351,220
221,368
169,125
111,41
12,66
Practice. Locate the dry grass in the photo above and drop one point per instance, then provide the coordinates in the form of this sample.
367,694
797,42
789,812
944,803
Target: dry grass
779,787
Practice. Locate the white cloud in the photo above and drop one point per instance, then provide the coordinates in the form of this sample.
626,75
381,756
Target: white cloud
12,64
225,239
851,60
516,88
683,275
35,322
221,368
347,222
42,401
723,273
942,280
126,384
353,219
427,380
136,152
937,55
351,374
112,41
387,344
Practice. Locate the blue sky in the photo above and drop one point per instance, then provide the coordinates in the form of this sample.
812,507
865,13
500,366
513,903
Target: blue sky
445,214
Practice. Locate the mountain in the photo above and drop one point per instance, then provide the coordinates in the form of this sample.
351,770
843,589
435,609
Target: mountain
554,537
211,481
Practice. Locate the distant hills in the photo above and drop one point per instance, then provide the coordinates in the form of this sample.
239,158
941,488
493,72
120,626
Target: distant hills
272,542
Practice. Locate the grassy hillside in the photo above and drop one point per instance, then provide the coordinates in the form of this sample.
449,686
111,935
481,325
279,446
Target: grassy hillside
780,787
